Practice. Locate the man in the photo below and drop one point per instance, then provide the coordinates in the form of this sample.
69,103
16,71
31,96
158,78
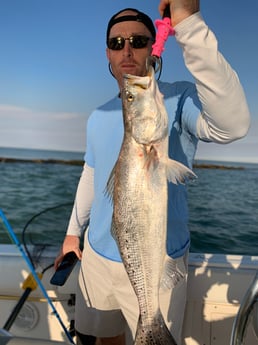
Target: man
214,109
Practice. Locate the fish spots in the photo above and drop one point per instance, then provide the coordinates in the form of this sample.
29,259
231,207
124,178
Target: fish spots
146,337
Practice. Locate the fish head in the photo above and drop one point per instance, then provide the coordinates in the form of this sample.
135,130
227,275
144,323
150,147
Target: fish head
144,112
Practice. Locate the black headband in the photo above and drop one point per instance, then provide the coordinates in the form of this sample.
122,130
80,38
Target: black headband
139,17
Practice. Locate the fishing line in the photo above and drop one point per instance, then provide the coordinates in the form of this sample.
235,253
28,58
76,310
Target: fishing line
34,273
30,221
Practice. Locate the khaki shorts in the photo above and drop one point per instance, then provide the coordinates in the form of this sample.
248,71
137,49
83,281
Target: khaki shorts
106,304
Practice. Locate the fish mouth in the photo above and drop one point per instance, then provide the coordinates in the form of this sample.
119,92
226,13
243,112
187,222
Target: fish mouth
135,81
153,64
140,82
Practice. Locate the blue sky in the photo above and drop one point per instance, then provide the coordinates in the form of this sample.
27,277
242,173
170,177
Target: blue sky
53,68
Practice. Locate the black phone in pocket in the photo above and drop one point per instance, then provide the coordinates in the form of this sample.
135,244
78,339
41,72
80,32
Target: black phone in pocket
64,269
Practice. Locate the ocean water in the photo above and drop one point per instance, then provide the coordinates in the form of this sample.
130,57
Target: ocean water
37,200
223,208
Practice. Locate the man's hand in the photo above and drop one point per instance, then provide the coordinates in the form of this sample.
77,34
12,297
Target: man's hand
71,243
179,9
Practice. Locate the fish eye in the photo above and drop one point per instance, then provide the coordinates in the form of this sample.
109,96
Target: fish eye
129,97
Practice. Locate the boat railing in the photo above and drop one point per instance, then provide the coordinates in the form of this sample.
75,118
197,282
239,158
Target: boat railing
248,305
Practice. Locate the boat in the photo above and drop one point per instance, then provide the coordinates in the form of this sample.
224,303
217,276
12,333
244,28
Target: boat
221,307
217,286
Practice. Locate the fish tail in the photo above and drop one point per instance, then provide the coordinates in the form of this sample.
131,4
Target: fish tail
155,333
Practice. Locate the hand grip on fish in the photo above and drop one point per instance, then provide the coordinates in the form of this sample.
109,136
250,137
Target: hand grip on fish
164,29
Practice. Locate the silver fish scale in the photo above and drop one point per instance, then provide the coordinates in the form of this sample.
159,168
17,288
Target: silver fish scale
139,224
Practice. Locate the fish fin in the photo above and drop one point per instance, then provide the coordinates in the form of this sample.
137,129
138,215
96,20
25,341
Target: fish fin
171,274
151,156
178,172
113,231
155,333
109,190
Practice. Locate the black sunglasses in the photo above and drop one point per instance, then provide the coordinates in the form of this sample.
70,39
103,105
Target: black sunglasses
136,42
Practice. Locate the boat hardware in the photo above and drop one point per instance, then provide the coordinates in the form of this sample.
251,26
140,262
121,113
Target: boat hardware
241,319
34,273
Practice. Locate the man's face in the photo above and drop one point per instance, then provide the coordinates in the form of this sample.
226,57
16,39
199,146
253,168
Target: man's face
128,60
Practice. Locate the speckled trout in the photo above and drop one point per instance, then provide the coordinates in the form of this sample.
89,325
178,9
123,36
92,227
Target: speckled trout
138,186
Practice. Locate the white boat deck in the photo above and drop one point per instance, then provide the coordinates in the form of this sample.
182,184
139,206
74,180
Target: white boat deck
217,285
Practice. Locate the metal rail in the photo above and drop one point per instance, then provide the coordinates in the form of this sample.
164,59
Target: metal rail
241,320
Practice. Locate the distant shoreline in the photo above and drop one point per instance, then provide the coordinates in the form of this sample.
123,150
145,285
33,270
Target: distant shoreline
81,162
216,166
41,161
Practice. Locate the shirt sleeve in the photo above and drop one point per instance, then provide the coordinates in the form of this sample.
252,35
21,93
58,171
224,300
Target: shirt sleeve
82,204
225,115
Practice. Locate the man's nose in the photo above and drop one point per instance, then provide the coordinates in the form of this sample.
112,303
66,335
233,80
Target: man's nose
127,50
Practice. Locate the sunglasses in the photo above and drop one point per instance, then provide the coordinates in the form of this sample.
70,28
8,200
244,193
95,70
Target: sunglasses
136,42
